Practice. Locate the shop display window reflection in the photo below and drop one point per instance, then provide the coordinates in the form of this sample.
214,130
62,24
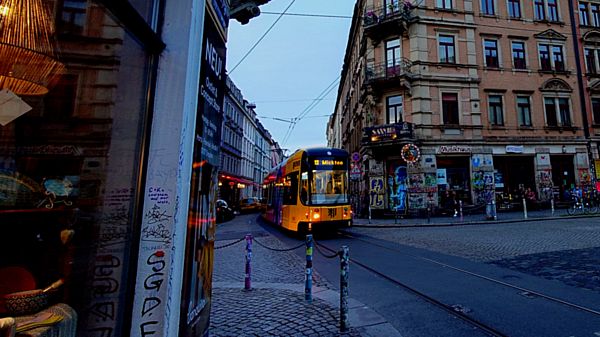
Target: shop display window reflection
69,167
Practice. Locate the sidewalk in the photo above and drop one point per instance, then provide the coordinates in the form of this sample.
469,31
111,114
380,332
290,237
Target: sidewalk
467,219
275,305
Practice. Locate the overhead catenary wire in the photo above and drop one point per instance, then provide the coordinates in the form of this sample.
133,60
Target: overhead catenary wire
262,37
311,106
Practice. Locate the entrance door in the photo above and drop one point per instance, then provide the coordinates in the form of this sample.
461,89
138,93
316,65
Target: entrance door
563,171
516,171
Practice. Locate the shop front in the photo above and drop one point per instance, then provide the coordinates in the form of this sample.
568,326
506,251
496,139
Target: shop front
97,163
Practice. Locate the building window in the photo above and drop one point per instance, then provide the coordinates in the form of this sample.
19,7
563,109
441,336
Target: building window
444,4
514,9
394,109
72,17
584,18
555,61
450,108
596,109
524,110
487,7
495,110
391,6
546,10
538,8
558,111
591,60
447,49
552,10
595,8
392,57
518,55
491,53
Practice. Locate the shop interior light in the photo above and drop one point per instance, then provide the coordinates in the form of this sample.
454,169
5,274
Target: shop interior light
28,58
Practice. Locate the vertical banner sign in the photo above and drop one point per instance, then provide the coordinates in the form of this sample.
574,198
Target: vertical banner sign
197,277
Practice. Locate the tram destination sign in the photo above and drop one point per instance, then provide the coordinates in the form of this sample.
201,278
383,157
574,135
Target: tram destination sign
329,163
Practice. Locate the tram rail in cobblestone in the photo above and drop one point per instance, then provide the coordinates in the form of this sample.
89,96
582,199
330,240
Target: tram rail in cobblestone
452,309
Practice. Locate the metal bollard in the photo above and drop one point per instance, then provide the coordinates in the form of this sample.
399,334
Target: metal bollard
308,276
524,209
369,213
344,266
552,205
248,277
494,209
460,210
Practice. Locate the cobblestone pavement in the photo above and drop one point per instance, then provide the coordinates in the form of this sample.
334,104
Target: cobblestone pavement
275,306
577,267
267,266
285,313
567,250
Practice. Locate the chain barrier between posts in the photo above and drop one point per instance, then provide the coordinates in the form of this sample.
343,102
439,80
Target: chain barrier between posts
317,245
231,244
279,249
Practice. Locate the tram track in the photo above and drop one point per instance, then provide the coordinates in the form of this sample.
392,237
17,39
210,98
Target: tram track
486,328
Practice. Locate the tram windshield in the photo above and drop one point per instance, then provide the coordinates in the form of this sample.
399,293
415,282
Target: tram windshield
326,184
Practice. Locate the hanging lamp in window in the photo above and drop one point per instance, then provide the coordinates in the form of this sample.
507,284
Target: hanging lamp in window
28,60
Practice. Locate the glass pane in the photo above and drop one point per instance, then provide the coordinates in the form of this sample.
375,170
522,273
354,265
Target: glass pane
74,164
328,187
145,8
395,100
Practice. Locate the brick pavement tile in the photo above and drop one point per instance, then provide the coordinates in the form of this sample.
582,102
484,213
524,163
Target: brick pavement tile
303,318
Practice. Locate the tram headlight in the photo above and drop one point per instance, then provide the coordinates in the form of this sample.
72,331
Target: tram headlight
316,214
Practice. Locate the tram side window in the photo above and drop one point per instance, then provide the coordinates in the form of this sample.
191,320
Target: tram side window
290,190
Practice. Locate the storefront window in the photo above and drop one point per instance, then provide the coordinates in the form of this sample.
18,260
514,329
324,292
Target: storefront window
70,171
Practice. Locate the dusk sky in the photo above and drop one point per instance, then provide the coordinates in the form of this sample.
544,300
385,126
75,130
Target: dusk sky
293,65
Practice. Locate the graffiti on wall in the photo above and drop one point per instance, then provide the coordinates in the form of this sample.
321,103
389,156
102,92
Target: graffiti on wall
397,185
483,186
376,192
544,183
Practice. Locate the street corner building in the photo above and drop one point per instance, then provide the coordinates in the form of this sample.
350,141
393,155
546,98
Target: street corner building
111,117
476,101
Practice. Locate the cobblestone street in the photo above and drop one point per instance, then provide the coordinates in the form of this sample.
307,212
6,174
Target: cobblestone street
567,250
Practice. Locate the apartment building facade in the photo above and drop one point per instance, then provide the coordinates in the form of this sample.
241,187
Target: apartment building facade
479,99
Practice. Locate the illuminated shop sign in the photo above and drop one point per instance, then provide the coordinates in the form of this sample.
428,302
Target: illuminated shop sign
454,149
379,133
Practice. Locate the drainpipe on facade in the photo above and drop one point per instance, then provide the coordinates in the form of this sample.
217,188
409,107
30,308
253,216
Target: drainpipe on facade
582,100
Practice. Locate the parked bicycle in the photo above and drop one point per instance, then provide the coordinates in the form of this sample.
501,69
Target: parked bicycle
584,203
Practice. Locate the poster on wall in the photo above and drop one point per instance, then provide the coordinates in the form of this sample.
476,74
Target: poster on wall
441,177
197,274
376,192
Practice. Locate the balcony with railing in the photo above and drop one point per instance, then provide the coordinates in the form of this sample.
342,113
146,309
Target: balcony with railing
379,22
380,76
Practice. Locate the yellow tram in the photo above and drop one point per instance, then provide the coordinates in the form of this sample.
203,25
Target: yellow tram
309,190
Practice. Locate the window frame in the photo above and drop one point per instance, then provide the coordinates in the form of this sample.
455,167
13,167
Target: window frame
485,7
398,109
521,112
558,114
524,51
495,110
444,113
551,56
447,48
510,6
397,57
595,113
584,14
444,4
496,49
